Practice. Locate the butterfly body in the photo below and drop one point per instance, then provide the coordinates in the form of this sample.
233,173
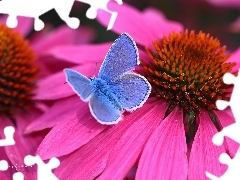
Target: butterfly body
116,88
102,89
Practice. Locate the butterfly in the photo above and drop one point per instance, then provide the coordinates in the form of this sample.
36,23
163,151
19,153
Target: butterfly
116,88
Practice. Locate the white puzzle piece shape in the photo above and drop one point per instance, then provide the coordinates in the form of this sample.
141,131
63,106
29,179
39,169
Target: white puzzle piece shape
44,170
36,8
232,173
232,131
18,176
8,132
3,165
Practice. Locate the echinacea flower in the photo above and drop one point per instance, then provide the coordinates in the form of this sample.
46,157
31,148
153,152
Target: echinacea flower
21,70
170,136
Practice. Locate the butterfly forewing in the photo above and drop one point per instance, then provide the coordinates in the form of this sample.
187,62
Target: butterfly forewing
131,90
121,58
79,83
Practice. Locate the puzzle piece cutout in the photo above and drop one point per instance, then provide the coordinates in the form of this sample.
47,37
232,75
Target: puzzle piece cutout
229,78
36,8
232,173
3,165
101,4
44,171
8,132
16,176
232,131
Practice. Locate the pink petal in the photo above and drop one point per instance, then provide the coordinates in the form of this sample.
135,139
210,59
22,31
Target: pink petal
25,24
164,156
158,17
204,154
54,87
225,120
47,65
235,58
60,111
43,42
91,159
70,133
6,174
136,23
81,53
234,27
128,148
24,144
3,156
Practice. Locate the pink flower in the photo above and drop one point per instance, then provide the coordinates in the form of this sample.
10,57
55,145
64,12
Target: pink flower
23,64
229,3
233,27
170,136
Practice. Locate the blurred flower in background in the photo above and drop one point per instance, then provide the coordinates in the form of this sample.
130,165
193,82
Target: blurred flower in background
229,3
160,140
233,27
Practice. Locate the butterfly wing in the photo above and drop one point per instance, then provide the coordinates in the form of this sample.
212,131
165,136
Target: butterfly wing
79,83
103,110
132,90
121,57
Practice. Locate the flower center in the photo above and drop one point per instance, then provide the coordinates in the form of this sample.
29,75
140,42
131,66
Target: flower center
17,73
187,70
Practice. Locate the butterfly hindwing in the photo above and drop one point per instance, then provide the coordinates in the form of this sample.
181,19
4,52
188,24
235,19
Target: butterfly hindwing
131,90
121,58
104,111
79,83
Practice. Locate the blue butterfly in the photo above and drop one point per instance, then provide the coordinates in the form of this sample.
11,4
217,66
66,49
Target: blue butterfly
116,88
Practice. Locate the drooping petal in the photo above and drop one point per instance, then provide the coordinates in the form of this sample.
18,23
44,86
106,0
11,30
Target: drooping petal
24,144
226,120
59,111
70,133
204,154
47,65
41,43
5,174
128,148
91,159
54,87
81,53
136,23
235,58
164,156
